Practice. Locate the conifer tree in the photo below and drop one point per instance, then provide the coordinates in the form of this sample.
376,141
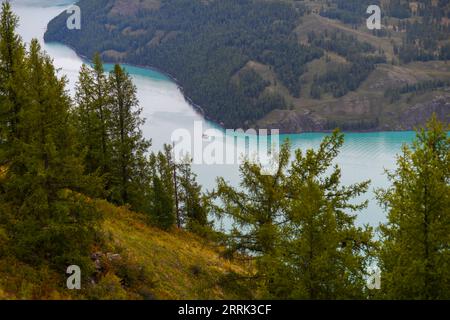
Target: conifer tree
162,193
128,147
325,255
175,196
93,117
193,204
12,81
297,225
257,210
48,220
415,252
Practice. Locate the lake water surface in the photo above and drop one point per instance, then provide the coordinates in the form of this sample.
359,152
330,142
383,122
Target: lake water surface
364,156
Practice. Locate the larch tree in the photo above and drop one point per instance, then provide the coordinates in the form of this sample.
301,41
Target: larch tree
415,253
257,210
298,226
325,255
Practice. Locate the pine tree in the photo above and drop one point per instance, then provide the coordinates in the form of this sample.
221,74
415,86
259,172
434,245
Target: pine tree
415,253
128,150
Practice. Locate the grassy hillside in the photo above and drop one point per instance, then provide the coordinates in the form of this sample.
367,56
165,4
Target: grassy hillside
135,261
367,107
293,65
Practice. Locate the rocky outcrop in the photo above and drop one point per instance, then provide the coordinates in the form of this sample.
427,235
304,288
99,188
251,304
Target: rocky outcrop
419,113
288,121
355,115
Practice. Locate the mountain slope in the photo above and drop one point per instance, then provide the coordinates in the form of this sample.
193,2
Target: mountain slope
137,262
293,65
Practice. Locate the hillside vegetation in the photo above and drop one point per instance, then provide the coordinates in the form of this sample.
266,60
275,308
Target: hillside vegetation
294,65
80,187
144,263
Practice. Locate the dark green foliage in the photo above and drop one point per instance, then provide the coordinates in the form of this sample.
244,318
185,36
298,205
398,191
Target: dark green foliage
353,125
422,41
424,36
12,80
203,47
46,220
175,196
251,83
349,11
93,113
339,79
395,93
345,45
129,163
109,123
109,126
162,193
445,52
289,62
399,9
193,204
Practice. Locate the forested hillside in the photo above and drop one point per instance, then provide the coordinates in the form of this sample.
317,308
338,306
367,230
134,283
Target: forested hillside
294,65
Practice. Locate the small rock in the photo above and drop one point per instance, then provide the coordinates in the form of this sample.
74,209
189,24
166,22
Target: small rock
113,256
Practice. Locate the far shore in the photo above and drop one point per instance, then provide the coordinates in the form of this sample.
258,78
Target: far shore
197,108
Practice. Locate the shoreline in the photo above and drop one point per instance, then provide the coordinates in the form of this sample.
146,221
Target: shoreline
197,108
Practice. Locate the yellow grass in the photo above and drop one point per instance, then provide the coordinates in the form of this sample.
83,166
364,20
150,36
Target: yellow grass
176,264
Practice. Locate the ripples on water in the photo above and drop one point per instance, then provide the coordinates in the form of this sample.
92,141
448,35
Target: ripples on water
363,157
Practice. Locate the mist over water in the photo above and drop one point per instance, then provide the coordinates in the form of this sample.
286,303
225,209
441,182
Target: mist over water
364,156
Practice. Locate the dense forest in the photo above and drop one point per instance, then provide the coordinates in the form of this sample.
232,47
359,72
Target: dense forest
295,229
339,79
208,46
423,37
212,42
